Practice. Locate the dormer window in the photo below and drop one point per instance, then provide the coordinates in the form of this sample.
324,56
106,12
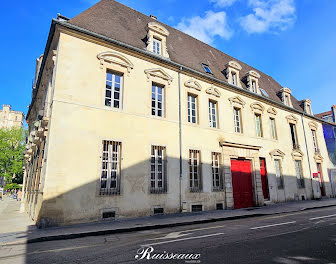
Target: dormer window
157,39
254,87
234,78
252,78
156,46
232,73
285,96
206,68
307,106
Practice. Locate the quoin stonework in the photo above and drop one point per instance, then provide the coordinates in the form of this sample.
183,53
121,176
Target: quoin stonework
131,117
10,118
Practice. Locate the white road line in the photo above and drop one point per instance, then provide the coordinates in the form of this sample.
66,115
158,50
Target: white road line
182,239
259,227
320,217
203,228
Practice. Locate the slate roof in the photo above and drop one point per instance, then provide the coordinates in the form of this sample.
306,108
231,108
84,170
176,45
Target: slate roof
323,114
122,23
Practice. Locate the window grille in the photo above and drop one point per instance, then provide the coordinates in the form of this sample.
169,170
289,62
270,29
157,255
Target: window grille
158,181
194,171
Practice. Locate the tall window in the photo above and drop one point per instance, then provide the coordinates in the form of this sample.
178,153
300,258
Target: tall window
258,125
315,141
237,120
299,177
110,176
234,78
273,128
286,100
213,113
254,87
113,90
158,177
194,171
293,136
309,111
157,100
156,46
217,183
192,108
278,174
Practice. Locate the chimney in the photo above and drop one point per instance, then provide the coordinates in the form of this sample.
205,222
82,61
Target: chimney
154,17
333,111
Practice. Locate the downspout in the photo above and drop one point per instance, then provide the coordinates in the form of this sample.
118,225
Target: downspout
180,136
304,133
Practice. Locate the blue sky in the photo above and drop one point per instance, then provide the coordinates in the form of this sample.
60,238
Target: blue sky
294,41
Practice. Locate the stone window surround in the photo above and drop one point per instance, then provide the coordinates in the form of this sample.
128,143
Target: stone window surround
233,67
156,30
253,76
286,92
306,106
237,103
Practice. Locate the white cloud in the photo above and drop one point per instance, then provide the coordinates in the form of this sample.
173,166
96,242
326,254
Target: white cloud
223,3
269,15
207,28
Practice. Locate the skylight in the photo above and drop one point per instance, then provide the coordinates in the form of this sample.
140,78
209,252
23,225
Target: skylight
264,93
206,68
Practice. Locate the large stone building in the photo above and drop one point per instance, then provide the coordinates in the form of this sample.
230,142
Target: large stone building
131,117
10,118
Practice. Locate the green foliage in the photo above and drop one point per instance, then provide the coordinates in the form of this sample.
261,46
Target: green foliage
12,145
12,186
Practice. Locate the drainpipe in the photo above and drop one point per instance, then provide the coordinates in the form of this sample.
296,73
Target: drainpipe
304,133
180,136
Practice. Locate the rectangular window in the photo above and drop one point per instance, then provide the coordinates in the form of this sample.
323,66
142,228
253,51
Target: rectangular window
234,78
299,177
278,174
315,141
254,89
213,113
293,136
273,128
157,100
237,120
286,100
113,91
194,171
217,183
309,111
158,175
156,46
110,176
258,125
192,108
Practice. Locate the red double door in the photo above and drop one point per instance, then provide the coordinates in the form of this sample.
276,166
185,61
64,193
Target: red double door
242,183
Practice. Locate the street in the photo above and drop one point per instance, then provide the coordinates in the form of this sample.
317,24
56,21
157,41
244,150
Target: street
300,237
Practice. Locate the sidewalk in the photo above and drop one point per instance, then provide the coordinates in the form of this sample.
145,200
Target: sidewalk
32,234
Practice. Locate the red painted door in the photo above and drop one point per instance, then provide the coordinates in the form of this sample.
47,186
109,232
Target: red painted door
242,183
264,181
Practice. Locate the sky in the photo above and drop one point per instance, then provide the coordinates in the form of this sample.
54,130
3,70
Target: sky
294,41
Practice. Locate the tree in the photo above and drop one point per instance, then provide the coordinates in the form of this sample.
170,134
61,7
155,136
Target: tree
12,145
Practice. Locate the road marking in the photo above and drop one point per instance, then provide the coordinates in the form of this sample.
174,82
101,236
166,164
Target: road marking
320,217
259,227
182,239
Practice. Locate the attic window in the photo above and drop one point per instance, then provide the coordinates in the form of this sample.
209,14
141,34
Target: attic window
206,68
264,93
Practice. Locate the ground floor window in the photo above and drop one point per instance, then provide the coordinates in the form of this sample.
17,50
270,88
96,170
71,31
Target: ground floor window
278,174
299,176
158,175
194,171
110,175
217,183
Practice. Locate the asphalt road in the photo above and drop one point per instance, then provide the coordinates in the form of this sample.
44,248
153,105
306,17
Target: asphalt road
300,237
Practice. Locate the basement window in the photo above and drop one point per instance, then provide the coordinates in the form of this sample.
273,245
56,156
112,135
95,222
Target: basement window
206,68
197,208
159,210
109,215
219,206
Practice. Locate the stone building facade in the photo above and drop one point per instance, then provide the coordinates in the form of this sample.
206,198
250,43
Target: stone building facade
131,117
10,118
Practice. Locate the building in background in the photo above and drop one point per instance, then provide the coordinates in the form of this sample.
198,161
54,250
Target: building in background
329,132
10,118
131,117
